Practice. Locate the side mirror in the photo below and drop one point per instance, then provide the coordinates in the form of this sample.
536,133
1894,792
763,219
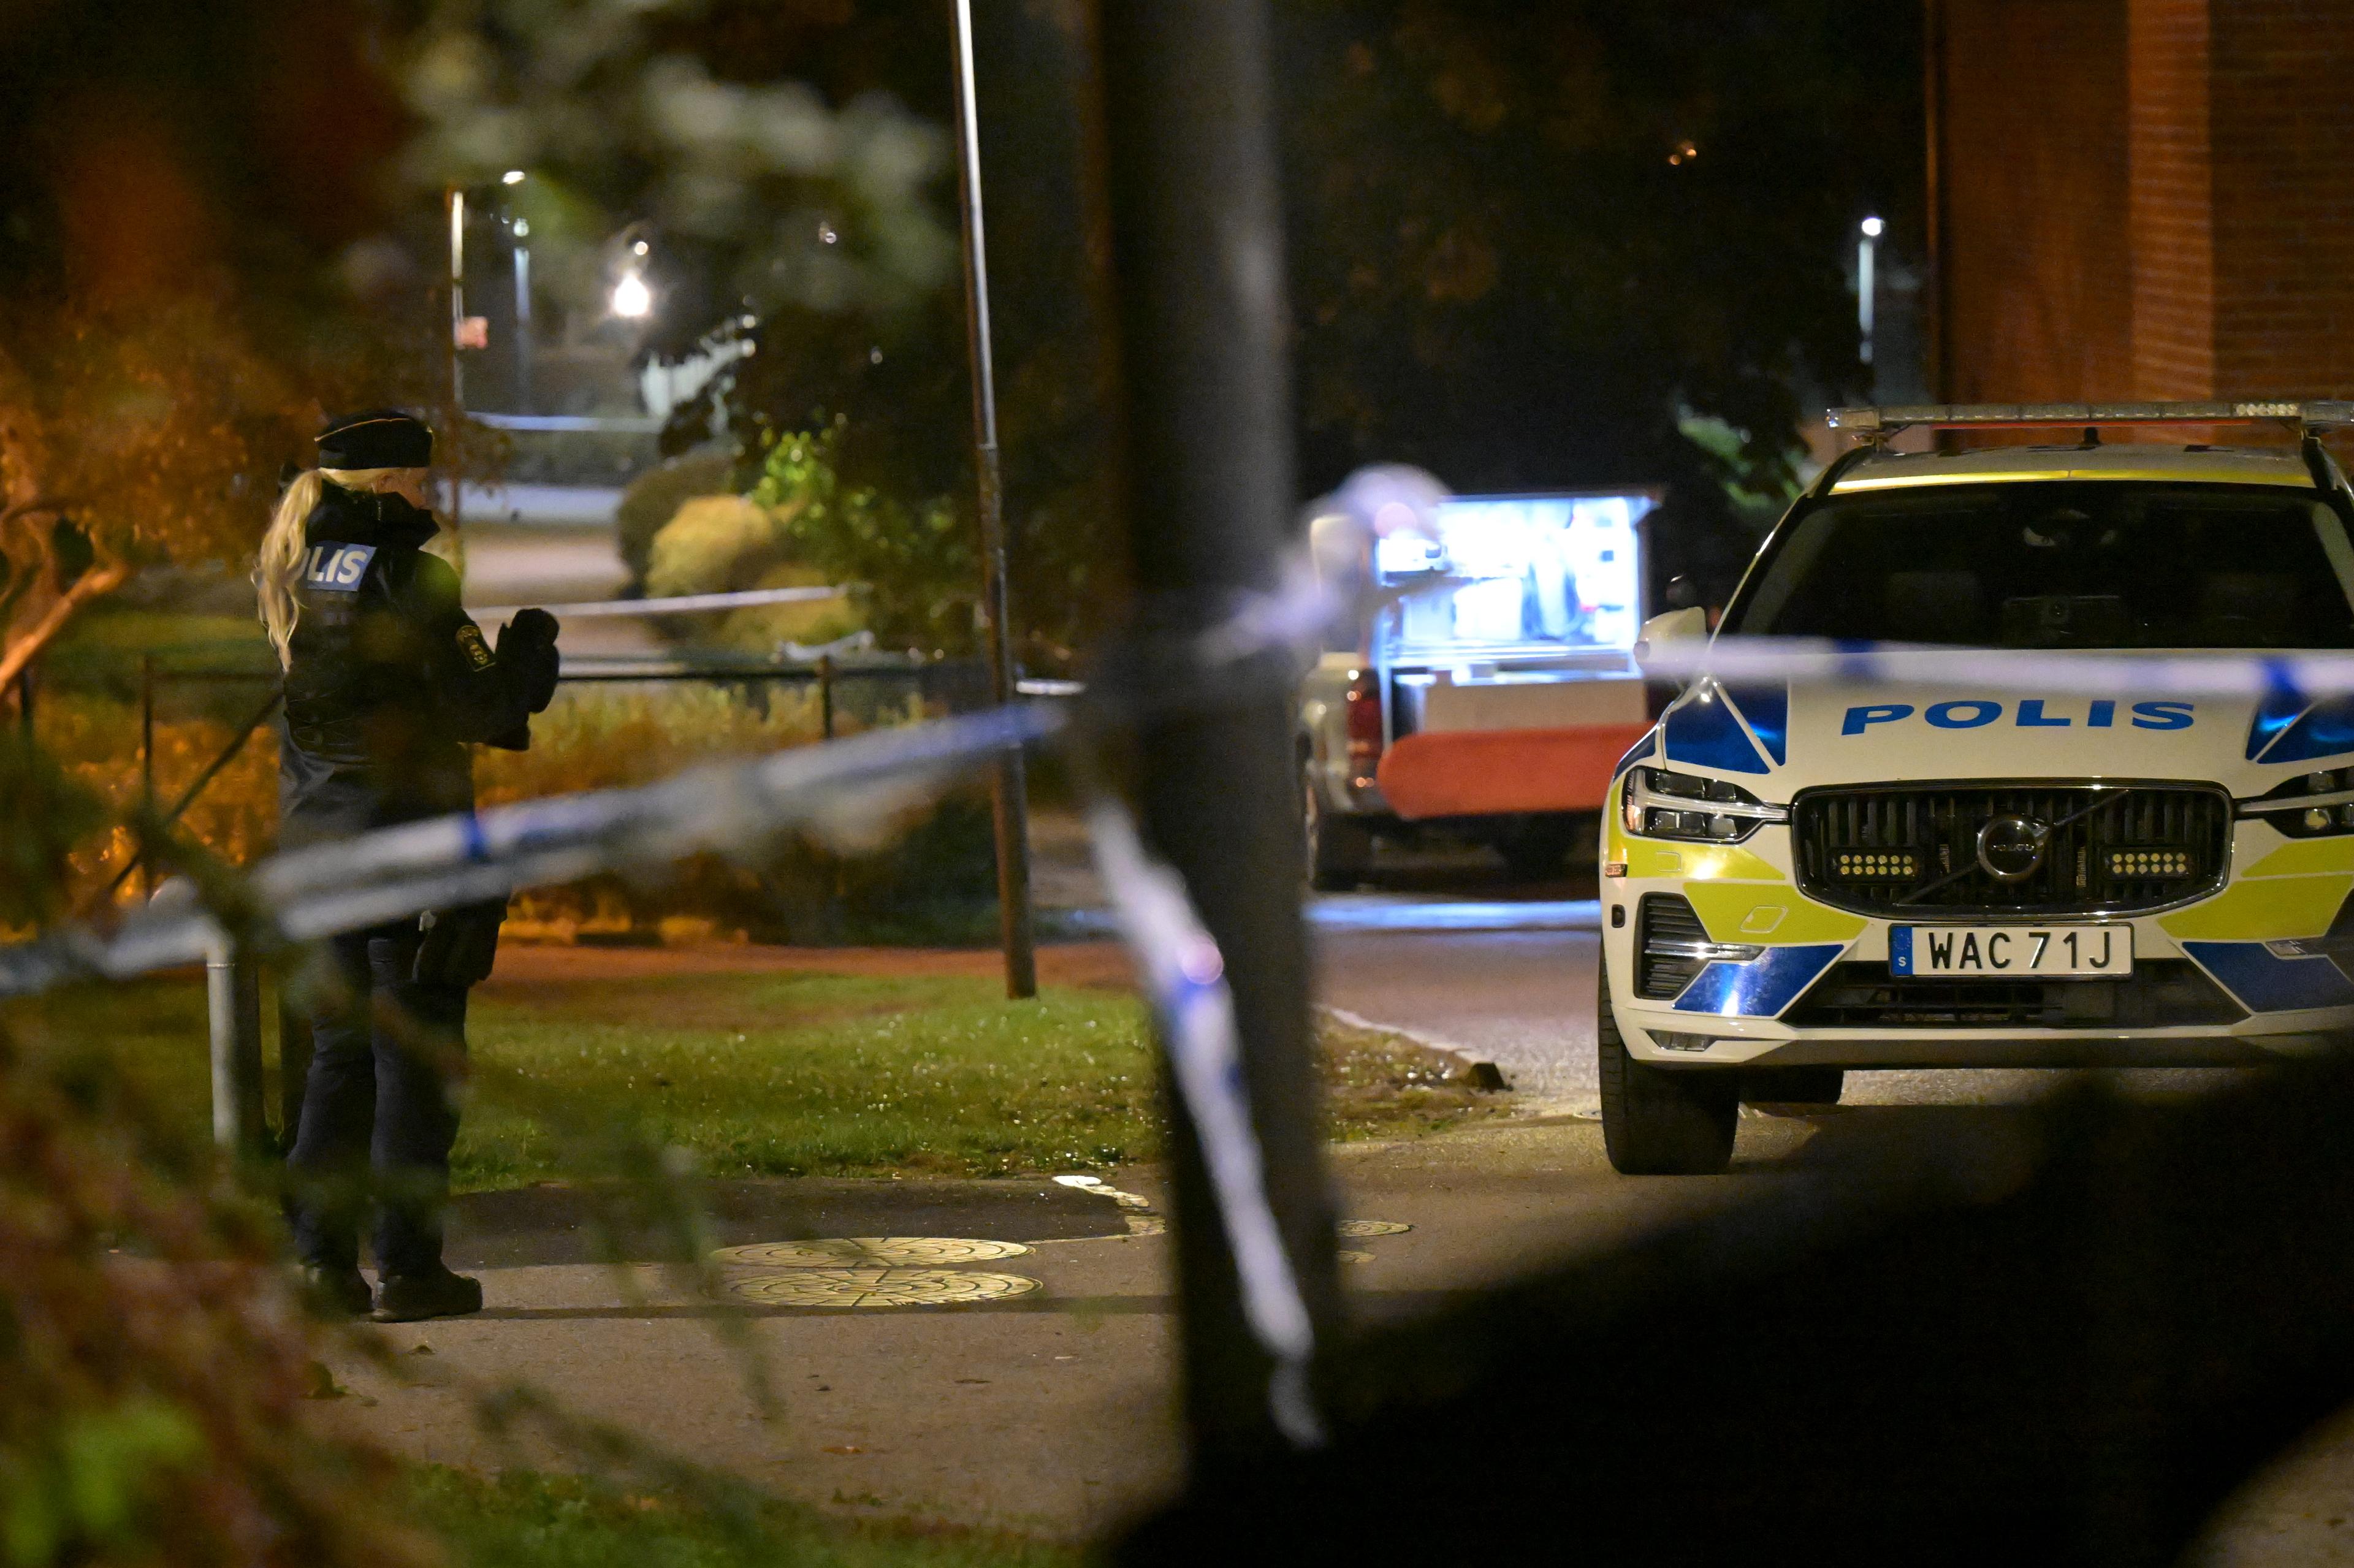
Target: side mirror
1685,625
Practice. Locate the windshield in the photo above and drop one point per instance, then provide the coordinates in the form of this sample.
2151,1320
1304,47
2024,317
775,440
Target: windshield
2070,564
1503,573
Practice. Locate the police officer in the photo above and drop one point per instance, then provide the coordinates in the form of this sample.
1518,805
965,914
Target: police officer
387,681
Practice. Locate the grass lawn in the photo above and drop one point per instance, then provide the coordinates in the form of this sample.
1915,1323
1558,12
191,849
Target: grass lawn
787,1074
521,1520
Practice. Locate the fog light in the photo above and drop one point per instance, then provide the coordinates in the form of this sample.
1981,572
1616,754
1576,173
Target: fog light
1668,1041
2149,863
2316,817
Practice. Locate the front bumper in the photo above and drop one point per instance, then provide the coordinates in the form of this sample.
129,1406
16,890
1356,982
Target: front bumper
2250,947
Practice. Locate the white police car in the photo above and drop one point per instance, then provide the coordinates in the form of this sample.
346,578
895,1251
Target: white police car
1800,878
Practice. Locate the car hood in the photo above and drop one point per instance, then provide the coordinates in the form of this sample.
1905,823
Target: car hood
1930,715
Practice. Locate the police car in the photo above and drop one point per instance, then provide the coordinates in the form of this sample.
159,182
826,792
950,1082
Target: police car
1981,856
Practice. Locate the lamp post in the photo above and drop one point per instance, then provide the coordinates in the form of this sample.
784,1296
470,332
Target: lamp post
456,419
1008,789
1866,250
521,229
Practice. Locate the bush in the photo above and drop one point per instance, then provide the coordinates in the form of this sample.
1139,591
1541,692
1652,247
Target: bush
730,543
932,882
94,741
153,1367
654,497
932,879
914,575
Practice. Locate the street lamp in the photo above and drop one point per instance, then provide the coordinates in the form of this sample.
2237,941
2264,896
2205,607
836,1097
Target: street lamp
521,229
631,299
1864,289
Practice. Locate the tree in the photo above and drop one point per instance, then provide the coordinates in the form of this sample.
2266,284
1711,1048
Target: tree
787,167
1529,243
179,314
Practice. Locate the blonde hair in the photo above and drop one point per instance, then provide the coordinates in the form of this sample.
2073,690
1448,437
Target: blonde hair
278,565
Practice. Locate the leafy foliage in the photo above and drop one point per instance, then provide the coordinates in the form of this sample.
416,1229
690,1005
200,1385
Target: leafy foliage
175,321
916,573
791,204
754,195
155,1365
48,814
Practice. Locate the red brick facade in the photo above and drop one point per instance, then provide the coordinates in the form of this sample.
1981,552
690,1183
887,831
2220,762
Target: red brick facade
2142,198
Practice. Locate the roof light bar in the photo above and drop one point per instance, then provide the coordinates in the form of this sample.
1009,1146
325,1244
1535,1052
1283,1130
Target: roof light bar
1982,416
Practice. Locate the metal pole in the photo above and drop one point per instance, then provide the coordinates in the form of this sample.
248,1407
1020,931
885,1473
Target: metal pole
146,763
1197,255
523,327
825,694
457,415
233,1009
1009,788
24,702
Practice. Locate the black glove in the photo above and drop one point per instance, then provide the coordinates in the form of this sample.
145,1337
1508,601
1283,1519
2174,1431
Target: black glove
455,947
527,645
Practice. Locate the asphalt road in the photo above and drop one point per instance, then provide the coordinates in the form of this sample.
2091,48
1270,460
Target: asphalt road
1448,954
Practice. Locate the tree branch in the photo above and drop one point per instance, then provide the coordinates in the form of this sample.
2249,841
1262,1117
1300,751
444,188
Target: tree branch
37,504
95,583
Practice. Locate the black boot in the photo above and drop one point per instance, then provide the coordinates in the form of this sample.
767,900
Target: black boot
405,1298
335,1292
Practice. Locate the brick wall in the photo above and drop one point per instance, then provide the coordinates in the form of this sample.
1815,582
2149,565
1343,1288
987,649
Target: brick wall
2035,295
2144,198
2283,126
2169,239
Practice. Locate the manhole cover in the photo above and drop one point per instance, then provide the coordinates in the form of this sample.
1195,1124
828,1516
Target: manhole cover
1371,1228
879,1287
836,1251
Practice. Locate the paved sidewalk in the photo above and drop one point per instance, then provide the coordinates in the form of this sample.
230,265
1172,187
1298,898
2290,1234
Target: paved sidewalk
1049,1413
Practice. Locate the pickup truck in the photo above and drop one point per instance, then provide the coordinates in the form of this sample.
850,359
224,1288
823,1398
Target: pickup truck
1485,687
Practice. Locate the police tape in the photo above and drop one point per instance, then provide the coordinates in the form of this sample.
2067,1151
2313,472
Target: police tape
395,874
679,604
1185,975
2086,673
398,873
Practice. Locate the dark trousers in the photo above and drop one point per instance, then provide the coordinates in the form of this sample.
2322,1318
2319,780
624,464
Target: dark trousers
378,1118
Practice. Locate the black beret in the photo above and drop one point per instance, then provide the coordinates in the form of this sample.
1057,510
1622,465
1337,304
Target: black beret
379,438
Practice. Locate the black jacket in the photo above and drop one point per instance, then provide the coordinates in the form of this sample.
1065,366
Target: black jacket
390,677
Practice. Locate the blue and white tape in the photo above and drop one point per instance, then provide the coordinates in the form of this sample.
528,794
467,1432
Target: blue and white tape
1185,975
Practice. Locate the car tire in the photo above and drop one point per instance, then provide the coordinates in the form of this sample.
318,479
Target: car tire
1338,849
1656,1121
1794,1085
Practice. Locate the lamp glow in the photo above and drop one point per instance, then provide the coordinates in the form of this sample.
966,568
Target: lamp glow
512,177
1872,226
631,298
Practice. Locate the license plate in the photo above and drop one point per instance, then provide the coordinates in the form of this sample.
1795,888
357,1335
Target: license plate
2009,953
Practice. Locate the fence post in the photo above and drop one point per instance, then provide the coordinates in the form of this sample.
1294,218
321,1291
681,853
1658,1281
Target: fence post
825,694
24,702
293,1057
233,1010
146,764
1197,254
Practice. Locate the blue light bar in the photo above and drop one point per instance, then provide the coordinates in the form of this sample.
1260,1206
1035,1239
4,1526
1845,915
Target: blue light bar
2308,415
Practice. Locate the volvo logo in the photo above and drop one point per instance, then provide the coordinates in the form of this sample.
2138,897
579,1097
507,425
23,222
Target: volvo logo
2011,848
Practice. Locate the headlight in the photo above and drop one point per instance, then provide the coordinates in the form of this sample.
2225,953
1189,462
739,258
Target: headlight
1659,804
2309,806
